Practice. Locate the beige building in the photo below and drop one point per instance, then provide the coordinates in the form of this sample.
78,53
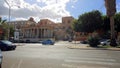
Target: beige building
44,29
64,30
38,31
20,23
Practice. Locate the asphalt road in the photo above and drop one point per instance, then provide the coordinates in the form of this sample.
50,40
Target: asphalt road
59,56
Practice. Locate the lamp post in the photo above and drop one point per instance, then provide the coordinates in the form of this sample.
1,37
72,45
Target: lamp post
9,17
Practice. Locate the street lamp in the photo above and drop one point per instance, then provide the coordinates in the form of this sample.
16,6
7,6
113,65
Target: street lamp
9,17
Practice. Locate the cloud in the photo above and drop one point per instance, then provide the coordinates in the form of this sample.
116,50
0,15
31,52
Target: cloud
73,6
74,1
20,9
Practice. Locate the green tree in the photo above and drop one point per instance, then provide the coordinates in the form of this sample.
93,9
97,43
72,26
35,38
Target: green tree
11,30
105,24
3,26
2,21
76,25
88,22
117,22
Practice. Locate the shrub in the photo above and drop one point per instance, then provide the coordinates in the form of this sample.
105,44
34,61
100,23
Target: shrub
93,41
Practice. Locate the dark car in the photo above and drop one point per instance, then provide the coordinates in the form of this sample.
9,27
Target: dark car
6,45
84,42
48,42
0,59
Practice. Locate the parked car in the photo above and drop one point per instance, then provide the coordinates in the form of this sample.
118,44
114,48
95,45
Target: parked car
6,45
84,42
48,42
27,41
105,42
40,41
1,59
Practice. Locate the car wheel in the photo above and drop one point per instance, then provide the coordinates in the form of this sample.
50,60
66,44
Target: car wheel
104,44
52,44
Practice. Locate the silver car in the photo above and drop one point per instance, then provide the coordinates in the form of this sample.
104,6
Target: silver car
1,59
105,42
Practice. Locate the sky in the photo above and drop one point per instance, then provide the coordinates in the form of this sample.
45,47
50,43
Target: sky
50,9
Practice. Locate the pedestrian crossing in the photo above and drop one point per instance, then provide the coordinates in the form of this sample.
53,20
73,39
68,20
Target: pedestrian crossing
89,62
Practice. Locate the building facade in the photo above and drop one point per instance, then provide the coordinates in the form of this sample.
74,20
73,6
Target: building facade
38,31
29,30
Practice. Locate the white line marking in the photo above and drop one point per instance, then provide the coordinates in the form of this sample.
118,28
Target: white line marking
20,62
93,59
80,66
92,62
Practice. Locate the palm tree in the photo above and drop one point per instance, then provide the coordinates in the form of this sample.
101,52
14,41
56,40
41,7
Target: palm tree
2,28
2,21
111,10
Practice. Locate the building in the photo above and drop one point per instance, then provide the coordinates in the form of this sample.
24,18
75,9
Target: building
63,31
38,31
20,23
17,25
67,24
29,30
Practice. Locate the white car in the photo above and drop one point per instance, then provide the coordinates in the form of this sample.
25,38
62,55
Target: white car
105,42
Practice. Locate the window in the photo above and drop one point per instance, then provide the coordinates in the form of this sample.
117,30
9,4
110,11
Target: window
68,21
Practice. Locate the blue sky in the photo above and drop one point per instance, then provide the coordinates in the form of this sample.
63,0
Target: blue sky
82,6
51,9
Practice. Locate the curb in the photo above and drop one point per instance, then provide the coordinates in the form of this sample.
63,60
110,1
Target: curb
19,44
90,48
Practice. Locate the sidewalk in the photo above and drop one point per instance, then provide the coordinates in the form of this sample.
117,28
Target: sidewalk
86,47
19,44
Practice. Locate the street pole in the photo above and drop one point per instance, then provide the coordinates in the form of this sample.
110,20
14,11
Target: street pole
9,22
9,18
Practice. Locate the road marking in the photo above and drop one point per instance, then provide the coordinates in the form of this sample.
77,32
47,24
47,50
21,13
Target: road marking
93,62
80,66
70,66
20,62
94,59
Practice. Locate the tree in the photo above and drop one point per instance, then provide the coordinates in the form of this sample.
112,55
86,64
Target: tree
2,21
11,30
88,22
110,7
106,23
111,10
76,25
3,27
117,22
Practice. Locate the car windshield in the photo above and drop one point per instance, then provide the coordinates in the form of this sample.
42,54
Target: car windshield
7,42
